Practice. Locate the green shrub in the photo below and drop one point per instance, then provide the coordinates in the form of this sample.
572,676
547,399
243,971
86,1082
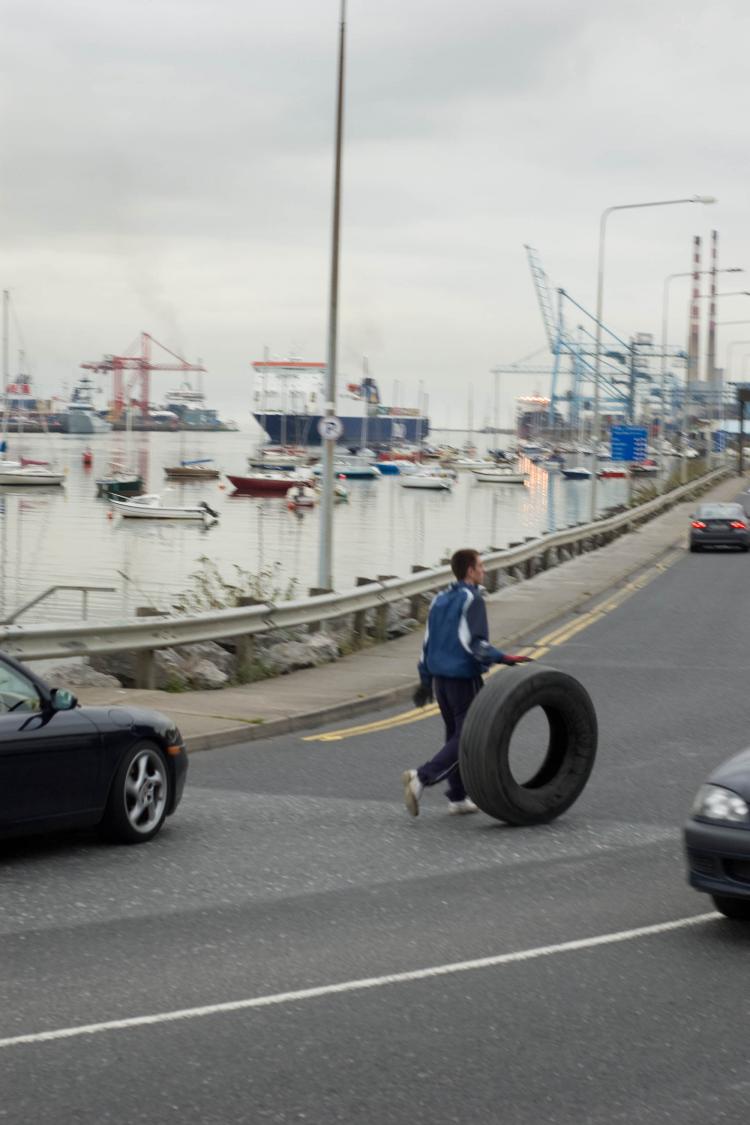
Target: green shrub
208,589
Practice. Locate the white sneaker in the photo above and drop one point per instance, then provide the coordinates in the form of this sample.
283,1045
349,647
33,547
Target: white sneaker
413,790
456,808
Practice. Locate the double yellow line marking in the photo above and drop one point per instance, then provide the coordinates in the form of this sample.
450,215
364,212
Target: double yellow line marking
540,648
402,719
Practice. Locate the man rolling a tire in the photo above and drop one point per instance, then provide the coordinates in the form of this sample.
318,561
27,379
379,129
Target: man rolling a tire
455,654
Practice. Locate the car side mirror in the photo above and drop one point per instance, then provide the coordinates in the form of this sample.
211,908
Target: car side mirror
62,700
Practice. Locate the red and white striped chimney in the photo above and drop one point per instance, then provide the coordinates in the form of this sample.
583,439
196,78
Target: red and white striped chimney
694,332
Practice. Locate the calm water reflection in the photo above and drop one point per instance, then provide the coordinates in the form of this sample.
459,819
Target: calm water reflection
50,536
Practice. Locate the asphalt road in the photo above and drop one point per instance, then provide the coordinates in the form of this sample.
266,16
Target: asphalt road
291,866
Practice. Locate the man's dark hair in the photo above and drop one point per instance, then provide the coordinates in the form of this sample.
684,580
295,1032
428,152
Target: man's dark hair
462,560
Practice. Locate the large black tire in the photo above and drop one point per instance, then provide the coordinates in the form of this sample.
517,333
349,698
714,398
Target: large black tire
487,732
738,908
139,797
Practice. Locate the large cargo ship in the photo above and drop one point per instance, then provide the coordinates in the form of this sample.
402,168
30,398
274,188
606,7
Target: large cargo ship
289,402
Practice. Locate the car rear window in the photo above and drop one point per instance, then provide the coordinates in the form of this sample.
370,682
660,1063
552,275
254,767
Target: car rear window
720,511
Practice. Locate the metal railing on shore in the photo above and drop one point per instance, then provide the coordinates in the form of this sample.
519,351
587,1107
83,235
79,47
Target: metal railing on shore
240,625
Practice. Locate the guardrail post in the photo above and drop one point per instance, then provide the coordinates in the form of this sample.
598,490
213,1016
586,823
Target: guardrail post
245,647
316,592
491,580
417,607
145,665
359,618
381,613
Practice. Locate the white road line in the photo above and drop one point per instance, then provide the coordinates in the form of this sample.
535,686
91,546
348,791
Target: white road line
357,985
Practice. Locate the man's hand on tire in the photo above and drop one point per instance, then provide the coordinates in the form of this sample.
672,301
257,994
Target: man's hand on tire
511,660
422,695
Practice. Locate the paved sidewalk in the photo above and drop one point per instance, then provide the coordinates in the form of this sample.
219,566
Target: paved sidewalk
385,674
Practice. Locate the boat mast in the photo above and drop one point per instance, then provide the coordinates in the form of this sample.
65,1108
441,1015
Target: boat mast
420,411
325,564
366,396
6,362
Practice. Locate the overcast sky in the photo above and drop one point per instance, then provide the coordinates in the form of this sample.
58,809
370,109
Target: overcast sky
167,166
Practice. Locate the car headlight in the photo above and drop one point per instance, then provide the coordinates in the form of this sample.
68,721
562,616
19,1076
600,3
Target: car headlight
715,803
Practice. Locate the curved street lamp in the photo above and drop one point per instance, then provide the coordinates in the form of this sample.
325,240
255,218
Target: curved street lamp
599,310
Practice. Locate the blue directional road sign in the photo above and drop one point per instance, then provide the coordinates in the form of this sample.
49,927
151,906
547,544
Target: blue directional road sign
629,443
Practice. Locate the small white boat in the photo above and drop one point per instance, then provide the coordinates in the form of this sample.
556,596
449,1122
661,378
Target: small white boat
301,496
278,458
432,481
307,496
473,463
500,476
396,467
200,469
351,470
643,468
150,507
31,475
578,472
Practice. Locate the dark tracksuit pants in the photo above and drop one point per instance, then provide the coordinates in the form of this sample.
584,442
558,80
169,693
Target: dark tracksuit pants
454,698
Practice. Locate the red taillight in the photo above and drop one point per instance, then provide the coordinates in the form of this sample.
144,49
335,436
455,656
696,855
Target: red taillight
739,525
698,523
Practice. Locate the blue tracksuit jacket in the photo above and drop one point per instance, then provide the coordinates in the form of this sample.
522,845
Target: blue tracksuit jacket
456,643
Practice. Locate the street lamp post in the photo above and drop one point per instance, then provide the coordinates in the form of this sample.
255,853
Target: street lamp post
325,552
599,312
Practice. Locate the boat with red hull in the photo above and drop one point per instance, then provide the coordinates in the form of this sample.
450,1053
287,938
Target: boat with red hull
264,484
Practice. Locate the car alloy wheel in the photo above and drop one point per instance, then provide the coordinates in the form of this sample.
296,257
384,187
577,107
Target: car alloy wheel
140,795
145,790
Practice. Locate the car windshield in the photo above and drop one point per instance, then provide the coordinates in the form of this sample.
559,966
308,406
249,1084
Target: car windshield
721,511
17,693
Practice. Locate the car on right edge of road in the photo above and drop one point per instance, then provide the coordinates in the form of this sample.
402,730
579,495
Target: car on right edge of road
717,837
719,525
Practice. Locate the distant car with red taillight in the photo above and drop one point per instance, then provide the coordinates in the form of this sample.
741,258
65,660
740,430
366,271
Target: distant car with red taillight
719,525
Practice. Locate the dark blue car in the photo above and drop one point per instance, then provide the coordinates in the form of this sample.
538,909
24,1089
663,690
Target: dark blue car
717,837
66,766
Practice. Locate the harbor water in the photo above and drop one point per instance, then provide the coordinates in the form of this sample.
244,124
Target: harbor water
69,536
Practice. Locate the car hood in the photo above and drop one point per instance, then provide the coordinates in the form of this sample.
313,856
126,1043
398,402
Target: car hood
142,720
734,774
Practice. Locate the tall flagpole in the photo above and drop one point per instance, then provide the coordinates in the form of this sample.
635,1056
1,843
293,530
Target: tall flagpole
325,561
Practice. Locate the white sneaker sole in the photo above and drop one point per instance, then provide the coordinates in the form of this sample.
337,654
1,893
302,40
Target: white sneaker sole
410,798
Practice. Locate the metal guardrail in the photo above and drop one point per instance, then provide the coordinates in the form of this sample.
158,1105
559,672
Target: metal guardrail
144,636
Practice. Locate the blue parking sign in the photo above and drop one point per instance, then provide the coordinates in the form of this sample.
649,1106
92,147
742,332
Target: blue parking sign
629,443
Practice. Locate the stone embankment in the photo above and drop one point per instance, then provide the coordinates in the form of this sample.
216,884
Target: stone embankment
211,665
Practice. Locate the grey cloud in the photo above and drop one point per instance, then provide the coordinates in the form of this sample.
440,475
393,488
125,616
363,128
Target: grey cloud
168,165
